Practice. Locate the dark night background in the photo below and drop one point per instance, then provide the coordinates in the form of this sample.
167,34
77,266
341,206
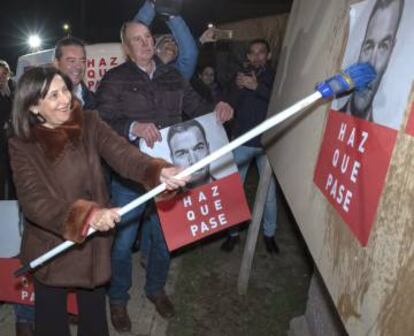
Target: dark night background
100,20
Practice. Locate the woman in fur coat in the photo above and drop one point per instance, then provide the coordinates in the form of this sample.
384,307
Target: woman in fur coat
56,162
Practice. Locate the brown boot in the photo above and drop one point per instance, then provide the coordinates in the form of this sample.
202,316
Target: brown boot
163,304
24,329
119,317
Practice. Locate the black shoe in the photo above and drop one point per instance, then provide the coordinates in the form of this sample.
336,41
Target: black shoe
271,245
230,243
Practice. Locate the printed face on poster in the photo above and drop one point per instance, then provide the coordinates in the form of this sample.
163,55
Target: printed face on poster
361,129
214,199
381,34
185,143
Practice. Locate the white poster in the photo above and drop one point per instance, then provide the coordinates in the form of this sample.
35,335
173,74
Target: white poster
214,199
11,224
186,143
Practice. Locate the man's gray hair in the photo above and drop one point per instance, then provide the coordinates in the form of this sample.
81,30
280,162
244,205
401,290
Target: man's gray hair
124,28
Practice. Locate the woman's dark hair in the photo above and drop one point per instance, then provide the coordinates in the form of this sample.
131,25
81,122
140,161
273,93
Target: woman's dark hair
32,86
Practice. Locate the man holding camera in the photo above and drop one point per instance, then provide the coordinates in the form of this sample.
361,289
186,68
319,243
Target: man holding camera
250,99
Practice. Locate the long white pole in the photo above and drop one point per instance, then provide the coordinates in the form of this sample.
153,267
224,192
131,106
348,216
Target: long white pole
259,129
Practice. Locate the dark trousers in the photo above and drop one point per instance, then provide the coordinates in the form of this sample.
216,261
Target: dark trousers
51,318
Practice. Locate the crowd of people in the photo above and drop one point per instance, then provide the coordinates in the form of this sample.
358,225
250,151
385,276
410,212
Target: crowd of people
75,160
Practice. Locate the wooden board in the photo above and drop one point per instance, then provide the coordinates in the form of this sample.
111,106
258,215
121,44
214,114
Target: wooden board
370,286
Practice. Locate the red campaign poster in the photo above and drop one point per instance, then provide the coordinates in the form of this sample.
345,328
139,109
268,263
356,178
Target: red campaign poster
410,123
20,290
215,199
101,58
203,211
351,169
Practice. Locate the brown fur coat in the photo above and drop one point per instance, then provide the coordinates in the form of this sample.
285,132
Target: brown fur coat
59,180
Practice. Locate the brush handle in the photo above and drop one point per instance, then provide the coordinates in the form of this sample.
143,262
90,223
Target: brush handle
259,129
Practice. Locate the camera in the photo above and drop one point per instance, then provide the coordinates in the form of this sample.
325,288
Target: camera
222,34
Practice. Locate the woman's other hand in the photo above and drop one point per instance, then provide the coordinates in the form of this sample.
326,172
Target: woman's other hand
105,219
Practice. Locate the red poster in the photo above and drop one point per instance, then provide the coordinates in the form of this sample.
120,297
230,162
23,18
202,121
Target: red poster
203,211
20,290
410,123
351,169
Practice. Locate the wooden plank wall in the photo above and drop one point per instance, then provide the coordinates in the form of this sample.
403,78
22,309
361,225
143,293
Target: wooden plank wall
372,287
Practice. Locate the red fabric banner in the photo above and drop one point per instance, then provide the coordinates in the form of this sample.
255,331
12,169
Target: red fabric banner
351,168
20,290
203,211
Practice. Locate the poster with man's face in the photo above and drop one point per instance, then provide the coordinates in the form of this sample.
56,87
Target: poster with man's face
380,34
186,143
362,128
214,199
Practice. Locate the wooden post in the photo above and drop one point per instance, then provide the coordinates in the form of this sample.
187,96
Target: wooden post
254,228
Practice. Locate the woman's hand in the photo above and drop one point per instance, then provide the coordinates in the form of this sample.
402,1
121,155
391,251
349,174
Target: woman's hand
104,219
167,177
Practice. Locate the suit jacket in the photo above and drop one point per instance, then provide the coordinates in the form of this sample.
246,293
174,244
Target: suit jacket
127,94
88,98
59,181
250,106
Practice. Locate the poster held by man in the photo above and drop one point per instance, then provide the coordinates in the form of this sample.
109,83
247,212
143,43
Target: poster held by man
214,199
